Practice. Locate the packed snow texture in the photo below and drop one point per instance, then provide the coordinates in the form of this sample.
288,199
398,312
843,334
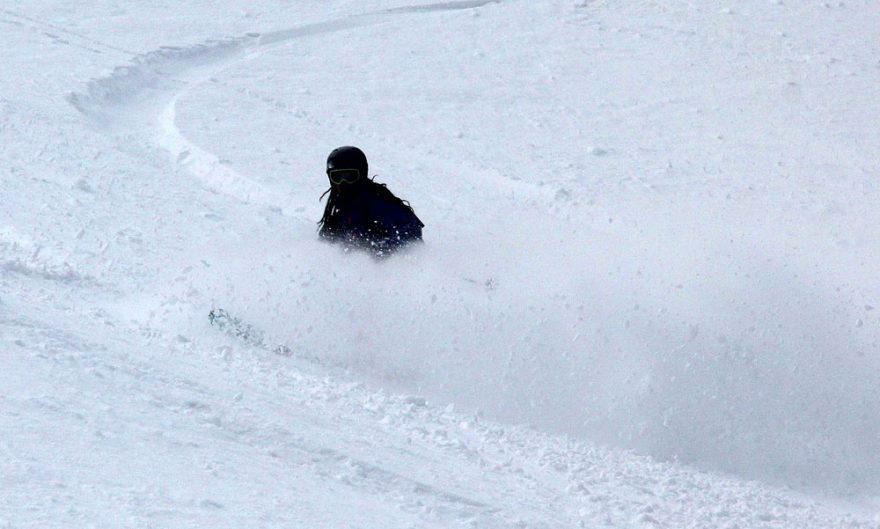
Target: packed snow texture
649,228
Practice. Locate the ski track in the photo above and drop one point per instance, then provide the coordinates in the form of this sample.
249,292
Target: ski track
146,90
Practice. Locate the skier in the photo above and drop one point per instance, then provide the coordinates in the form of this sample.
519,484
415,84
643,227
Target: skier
361,213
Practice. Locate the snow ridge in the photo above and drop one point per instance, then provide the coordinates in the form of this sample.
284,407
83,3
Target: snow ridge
155,70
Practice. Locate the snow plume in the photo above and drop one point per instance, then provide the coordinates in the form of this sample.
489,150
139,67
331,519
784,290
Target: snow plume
768,374
711,342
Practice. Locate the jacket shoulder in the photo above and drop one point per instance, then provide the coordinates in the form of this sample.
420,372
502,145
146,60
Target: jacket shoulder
393,209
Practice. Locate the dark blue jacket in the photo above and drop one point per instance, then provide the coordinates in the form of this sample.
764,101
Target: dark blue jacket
369,216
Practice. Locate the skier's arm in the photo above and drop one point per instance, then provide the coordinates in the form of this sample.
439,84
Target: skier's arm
395,225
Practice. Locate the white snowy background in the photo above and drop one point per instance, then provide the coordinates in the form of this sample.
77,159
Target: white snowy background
648,294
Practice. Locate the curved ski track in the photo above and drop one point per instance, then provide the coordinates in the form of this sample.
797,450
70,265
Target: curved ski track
143,95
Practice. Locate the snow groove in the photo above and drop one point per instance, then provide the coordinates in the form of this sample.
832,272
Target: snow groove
443,6
163,72
147,90
141,97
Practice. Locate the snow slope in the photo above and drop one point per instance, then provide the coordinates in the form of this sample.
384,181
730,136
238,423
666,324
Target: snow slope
646,296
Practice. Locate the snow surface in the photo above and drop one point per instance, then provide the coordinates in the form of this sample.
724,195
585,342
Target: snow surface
648,295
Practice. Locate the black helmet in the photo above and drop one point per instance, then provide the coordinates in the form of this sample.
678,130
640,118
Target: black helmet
348,158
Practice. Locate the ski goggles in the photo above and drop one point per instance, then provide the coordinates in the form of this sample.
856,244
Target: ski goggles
343,176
